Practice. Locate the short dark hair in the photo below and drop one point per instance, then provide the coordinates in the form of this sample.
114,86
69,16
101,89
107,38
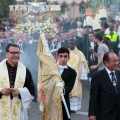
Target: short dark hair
63,50
99,36
106,57
11,44
90,33
71,39
2,29
58,34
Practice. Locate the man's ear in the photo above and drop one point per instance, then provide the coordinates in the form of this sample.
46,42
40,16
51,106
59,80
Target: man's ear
6,54
68,57
56,57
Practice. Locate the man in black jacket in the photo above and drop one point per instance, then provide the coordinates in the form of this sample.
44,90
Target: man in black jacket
105,91
78,40
92,59
68,76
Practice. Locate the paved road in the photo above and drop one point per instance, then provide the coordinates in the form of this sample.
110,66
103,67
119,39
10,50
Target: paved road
34,113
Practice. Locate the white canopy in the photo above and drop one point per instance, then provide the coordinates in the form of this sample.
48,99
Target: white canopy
68,1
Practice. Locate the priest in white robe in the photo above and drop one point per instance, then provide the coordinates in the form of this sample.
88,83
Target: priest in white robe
16,86
78,62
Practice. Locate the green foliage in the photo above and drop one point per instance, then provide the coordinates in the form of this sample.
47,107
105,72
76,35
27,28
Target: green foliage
4,7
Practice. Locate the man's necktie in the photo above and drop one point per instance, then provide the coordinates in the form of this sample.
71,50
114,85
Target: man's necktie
114,81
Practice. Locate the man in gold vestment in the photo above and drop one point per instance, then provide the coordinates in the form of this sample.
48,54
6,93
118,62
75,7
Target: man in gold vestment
16,86
78,62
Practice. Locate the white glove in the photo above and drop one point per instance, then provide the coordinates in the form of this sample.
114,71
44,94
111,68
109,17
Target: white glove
60,84
41,105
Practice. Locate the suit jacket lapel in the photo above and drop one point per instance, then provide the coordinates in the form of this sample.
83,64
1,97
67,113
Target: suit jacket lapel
108,81
118,81
65,72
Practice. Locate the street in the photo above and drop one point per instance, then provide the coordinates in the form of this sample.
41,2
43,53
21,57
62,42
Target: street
34,113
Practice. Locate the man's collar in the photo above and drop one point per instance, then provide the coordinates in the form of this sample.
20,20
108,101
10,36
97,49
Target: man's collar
63,66
108,71
7,62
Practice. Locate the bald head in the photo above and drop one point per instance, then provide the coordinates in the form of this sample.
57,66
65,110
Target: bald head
110,60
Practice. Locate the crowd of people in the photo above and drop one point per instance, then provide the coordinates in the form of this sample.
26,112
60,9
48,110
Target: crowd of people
90,50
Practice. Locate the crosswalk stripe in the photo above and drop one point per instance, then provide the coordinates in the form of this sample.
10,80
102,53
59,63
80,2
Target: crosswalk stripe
82,113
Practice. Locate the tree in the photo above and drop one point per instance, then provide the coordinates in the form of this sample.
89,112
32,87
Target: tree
4,7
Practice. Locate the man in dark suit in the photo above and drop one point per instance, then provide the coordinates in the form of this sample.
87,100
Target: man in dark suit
68,76
64,42
105,91
2,43
72,23
79,41
92,59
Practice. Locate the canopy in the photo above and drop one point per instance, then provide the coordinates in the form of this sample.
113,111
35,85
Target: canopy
69,1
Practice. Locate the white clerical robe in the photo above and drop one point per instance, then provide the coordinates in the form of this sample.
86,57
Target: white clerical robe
6,102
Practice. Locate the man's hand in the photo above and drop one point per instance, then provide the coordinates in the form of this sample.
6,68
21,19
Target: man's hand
14,91
60,84
93,67
5,91
91,50
92,117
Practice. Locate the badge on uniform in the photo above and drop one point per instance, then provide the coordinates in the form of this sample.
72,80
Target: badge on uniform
114,83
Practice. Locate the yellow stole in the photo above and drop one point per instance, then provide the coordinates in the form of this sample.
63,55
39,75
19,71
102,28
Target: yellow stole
10,109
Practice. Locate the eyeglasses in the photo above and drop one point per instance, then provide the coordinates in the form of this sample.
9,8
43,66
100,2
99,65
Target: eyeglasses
15,53
114,61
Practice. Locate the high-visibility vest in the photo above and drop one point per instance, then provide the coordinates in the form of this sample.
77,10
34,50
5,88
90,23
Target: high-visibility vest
113,38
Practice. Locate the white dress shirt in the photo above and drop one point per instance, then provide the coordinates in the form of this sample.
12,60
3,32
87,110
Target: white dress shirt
109,73
62,68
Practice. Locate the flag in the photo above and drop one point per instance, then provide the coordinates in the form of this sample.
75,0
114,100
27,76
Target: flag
48,76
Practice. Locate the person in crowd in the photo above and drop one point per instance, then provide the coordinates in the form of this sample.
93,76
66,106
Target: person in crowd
56,44
68,75
116,30
68,35
86,43
2,42
49,41
60,42
114,38
72,23
111,24
26,38
108,43
79,30
78,62
79,42
16,86
53,48
102,49
105,91
65,24
64,42
92,58
10,38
